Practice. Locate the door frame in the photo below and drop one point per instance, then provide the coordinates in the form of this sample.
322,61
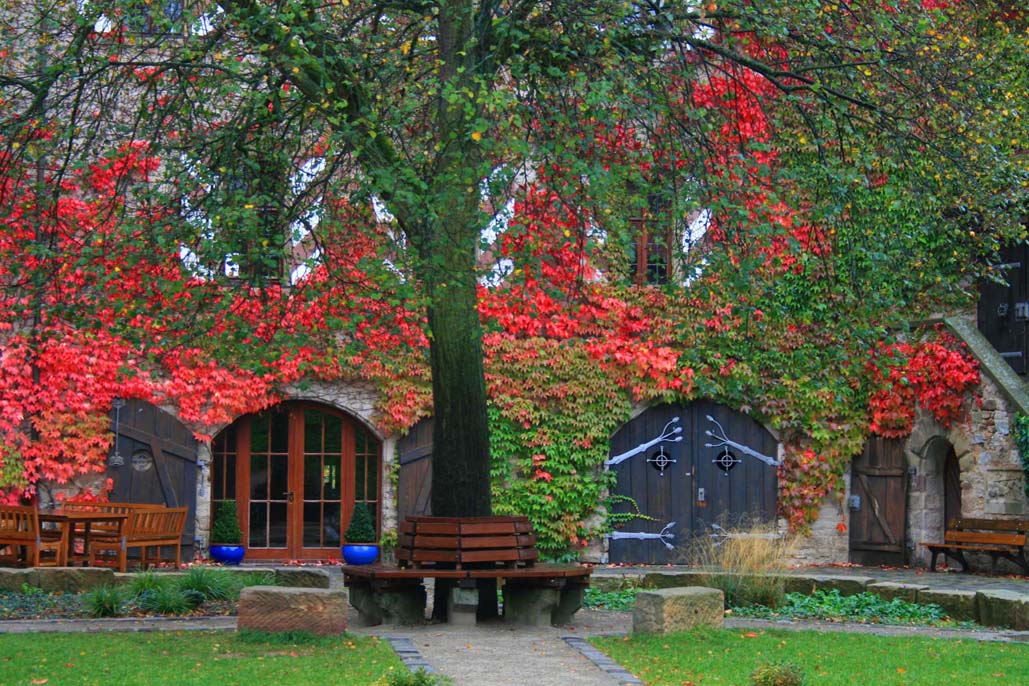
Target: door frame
295,479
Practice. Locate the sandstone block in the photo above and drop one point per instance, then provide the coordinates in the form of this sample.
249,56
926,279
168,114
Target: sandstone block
615,582
959,605
273,608
676,579
888,590
1003,608
302,577
809,583
73,579
14,580
678,609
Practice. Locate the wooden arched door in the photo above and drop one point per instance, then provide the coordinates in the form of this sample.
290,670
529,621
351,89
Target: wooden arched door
154,461
699,483
296,471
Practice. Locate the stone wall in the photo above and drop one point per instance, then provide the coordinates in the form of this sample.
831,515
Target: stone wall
826,543
992,482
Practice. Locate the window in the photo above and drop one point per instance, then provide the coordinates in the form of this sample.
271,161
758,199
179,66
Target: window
652,251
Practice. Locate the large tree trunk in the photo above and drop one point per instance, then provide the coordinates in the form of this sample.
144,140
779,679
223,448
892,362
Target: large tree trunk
460,455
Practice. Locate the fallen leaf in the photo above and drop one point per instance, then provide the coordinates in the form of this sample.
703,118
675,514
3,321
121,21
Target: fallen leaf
750,634
901,670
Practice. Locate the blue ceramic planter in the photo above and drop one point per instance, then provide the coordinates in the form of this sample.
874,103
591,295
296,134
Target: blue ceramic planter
360,554
227,554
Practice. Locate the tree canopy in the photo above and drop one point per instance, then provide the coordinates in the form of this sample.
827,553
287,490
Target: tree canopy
820,173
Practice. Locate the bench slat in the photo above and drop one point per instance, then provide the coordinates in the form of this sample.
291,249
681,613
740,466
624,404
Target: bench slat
1017,525
958,536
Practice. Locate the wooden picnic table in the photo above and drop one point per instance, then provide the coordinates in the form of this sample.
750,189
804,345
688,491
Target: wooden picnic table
70,519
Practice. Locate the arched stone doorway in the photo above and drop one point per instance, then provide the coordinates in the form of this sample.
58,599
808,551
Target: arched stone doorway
935,495
296,471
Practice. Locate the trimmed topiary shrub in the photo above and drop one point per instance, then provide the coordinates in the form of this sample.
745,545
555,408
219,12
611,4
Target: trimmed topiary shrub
225,526
361,528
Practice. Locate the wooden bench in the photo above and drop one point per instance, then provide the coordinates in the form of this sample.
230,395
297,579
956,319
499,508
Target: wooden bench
87,531
145,528
998,538
460,542
464,550
20,529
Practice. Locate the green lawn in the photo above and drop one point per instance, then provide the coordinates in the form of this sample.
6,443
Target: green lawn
190,657
707,658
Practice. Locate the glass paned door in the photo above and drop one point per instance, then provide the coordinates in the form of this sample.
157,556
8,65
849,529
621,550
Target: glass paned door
270,493
296,471
323,480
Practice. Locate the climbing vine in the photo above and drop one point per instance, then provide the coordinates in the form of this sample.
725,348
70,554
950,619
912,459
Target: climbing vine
1022,440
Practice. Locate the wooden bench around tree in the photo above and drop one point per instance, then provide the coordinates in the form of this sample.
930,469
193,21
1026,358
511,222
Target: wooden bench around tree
27,542
146,528
463,551
998,538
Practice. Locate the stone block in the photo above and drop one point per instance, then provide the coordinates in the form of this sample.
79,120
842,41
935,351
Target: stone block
400,604
958,604
676,579
13,580
73,579
273,608
608,583
809,583
302,577
530,605
569,603
888,590
1003,608
462,604
678,609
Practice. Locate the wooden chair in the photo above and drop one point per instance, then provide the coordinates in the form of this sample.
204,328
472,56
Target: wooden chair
152,527
19,529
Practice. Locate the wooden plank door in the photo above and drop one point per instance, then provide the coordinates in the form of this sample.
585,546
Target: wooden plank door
414,481
155,461
733,491
877,525
662,495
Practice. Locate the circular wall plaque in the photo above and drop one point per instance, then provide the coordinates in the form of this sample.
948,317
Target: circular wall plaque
142,460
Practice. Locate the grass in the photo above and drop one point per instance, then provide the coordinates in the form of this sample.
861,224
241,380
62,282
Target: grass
193,658
728,658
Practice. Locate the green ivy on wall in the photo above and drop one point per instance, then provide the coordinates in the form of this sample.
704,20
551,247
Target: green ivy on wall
1022,440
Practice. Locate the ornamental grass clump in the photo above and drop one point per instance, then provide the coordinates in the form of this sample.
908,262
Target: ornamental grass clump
748,566
104,601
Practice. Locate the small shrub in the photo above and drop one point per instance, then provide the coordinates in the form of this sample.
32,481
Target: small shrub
104,601
28,590
777,674
417,678
361,528
211,583
170,600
